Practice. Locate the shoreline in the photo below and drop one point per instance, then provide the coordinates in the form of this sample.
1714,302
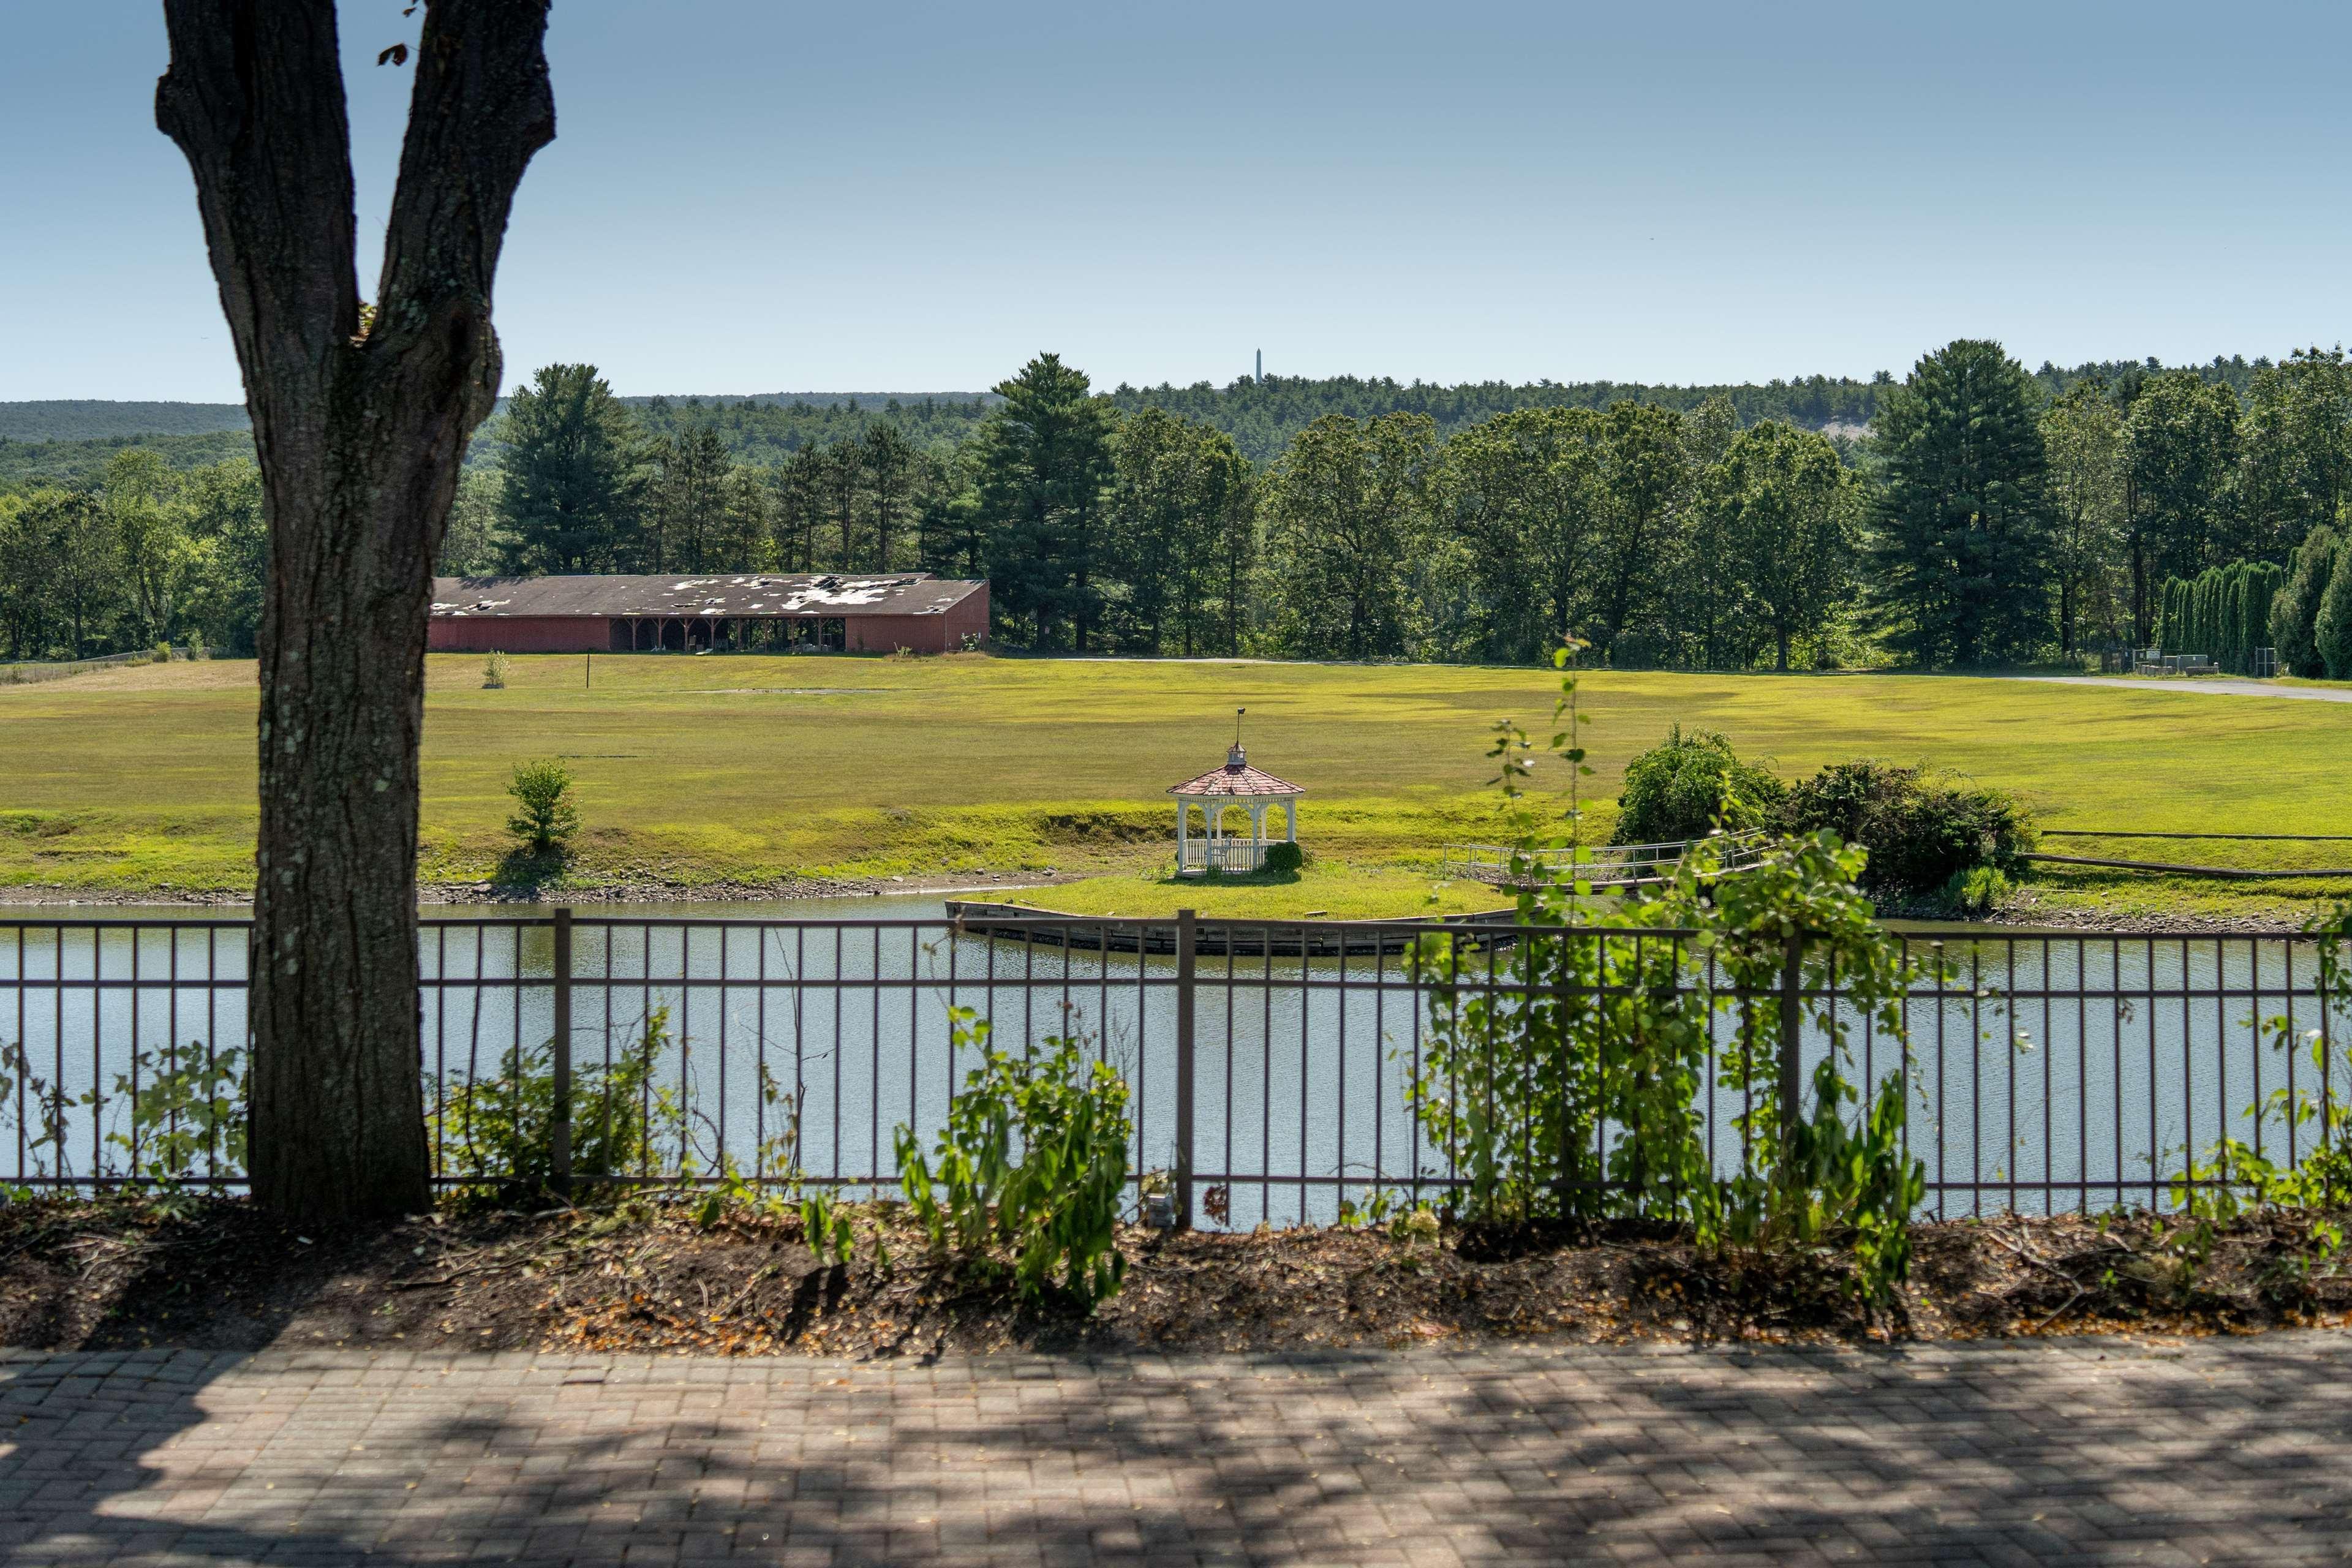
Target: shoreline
2032,916
476,894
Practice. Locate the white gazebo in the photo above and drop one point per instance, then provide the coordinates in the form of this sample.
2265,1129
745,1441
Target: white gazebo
1236,786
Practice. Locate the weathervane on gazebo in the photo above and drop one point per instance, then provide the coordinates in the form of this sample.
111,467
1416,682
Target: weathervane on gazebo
1220,792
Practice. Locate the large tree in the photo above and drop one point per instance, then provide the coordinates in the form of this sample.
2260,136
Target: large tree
2082,434
1346,509
2184,462
1522,494
2295,452
1788,522
1646,469
1963,533
1044,464
361,416
574,475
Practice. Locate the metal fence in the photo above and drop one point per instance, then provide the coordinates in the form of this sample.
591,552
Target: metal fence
1269,1061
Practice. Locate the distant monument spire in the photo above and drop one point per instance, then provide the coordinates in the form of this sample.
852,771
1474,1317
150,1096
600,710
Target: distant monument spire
1261,364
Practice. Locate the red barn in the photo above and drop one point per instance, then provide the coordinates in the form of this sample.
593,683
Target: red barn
835,611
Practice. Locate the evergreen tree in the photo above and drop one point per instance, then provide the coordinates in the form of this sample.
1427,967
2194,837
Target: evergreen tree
2294,608
1043,461
1962,548
573,475
1174,485
892,471
2184,441
2331,629
686,508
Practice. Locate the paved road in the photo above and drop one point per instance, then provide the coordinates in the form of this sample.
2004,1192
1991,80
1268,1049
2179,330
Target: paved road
2215,1451
2200,685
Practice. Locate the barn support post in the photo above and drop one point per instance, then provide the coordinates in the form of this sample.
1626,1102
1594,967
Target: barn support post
1187,963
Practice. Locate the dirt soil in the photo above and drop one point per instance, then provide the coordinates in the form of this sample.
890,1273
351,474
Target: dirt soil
646,1276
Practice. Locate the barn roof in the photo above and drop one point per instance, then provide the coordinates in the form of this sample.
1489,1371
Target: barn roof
742,595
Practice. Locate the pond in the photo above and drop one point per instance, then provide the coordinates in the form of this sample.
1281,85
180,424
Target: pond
2046,1072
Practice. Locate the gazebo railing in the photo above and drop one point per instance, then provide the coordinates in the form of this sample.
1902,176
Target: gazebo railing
1222,854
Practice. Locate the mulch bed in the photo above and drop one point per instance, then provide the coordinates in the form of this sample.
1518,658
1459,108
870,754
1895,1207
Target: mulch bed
645,1276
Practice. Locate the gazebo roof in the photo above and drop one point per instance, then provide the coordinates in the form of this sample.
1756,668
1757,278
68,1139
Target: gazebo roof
1237,778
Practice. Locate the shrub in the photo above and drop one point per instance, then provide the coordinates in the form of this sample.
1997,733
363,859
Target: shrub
494,672
2294,608
2331,630
545,818
1921,832
494,1131
1285,858
1978,890
1688,787
1058,1209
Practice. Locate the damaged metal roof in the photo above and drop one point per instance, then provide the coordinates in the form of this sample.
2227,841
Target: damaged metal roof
744,595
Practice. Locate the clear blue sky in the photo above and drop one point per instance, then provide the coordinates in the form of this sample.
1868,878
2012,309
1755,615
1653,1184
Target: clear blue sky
750,196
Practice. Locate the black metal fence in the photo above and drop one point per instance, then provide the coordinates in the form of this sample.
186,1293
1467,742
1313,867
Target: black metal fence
1269,1061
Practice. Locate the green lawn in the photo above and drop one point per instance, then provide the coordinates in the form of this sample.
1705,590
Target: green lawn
747,769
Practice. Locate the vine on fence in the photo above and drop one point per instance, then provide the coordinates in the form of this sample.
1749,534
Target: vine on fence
1562,1075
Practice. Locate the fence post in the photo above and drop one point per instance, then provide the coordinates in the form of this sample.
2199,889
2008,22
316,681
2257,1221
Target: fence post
1793,1031
559,1120
1186,964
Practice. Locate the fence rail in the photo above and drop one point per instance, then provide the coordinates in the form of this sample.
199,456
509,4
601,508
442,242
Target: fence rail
1601,865
1270,1063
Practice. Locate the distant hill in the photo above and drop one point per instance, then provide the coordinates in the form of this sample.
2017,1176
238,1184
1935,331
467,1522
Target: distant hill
91,419
28,464
85,419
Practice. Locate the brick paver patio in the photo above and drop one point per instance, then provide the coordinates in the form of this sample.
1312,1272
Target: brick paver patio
2213,1451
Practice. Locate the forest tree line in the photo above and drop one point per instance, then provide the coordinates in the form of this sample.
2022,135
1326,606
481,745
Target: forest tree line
1992,515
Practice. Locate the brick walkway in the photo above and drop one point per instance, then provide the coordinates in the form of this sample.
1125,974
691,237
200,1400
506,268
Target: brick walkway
2215,1452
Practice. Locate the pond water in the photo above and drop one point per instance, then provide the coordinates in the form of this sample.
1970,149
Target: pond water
2046,1073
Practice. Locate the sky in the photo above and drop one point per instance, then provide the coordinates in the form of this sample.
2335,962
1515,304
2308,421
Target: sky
750,196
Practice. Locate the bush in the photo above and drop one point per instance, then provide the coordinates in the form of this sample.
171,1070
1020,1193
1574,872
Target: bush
494,672
2331,630
1285,858
495,1132
1688,787
1058,1209
2294,608
545,818
1921,832
1978,890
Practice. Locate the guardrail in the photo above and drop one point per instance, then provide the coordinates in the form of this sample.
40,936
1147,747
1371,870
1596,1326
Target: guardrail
2047,1071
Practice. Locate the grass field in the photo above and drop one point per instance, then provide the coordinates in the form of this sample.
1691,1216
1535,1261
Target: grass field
750,770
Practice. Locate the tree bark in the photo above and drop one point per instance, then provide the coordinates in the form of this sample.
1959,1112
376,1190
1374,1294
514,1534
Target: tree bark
359,428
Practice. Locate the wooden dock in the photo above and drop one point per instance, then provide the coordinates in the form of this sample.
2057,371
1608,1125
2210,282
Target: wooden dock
1217,938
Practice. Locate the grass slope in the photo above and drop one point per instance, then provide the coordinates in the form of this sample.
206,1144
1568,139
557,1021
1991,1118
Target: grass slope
698,771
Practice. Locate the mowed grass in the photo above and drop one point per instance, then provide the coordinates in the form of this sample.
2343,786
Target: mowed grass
717,769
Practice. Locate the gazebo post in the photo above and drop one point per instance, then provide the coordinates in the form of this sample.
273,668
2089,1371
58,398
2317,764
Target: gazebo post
1183,810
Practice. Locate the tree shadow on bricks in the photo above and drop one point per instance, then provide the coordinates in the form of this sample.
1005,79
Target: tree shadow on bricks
1984,1453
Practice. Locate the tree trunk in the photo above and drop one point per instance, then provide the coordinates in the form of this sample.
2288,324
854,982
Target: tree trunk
359,426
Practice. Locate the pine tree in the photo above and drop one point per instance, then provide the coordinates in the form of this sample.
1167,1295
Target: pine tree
2331,627
1043,463
2294,608
574,474
1963,533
